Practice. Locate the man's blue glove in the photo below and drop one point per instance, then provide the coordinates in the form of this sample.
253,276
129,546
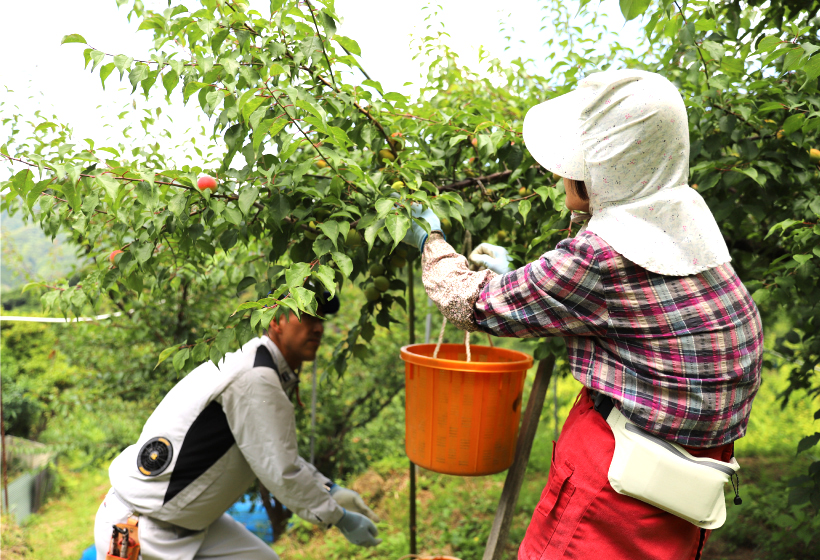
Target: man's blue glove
493,257
416,236
358,529
350,500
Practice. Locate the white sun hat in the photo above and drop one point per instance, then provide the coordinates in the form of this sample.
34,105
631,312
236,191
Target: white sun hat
625,134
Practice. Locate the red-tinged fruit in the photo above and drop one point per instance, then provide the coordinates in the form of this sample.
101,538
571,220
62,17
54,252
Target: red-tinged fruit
114,254
206,182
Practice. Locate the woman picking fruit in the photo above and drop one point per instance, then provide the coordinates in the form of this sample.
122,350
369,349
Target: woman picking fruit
660,331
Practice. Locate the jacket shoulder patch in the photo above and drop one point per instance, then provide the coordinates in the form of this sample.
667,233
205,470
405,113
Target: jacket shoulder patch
264,359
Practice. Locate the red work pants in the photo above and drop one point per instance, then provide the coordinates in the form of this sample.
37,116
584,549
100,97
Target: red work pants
580,515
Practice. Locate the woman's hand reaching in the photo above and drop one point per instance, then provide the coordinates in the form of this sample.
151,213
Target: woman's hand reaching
493,257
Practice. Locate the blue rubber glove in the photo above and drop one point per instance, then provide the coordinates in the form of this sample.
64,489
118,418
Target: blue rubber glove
493,257
351,500
416,236
358,529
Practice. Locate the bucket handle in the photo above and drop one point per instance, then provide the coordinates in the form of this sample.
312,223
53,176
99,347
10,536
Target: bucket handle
466,340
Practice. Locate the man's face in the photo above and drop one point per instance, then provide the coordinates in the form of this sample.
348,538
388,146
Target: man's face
299,339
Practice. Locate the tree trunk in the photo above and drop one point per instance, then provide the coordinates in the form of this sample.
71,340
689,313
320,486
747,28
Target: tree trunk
277,514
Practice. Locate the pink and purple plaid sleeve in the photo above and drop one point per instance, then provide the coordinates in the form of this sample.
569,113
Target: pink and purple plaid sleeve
560,294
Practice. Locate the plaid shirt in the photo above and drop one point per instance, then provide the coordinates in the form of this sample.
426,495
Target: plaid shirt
680,355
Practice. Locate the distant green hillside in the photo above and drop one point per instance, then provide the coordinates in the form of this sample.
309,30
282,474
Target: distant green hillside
29,256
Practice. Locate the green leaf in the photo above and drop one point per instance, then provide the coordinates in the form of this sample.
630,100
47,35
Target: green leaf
322,246
170,81
232,215
371,231
732,65
228,239
246,199
719,82
633,8
138,74
177,204
768,43
180,358
770,106
110,185
190,88
456,139
247,305
73,38
260,132
142,251
687,34
793,123
146,195
327,277
262,317
329,24
397,224
245,283
812,69
215,355
524,207
230,65
383,206
95,56
793,60
802,259
808,442
809,49
165,354
349,45
752,172
252,106
206,25
122,63
279,207
331,229
296,274
305,299
715,50
224,340
343,262
105,71
395,97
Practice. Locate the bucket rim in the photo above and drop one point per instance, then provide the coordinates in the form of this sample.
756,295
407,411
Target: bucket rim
525,361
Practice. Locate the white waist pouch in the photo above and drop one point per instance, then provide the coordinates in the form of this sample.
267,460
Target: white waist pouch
665,475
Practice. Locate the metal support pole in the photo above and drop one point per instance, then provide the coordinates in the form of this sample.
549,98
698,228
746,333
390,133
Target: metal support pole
515,476
5,473
411,335
555,408
313,417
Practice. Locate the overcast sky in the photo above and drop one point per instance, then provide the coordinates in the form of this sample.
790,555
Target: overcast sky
45,75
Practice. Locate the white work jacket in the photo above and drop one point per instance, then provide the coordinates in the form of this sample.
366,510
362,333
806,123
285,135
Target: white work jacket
216,431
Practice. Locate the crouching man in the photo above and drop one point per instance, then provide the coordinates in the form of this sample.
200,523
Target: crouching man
215,432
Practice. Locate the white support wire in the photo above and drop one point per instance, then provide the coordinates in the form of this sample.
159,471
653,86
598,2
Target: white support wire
59,320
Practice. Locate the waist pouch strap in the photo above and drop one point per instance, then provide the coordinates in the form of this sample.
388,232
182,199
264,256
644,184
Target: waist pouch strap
665,475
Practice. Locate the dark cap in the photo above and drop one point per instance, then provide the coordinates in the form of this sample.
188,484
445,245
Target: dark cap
327,305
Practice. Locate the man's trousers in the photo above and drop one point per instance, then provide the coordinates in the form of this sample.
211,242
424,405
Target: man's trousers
224,538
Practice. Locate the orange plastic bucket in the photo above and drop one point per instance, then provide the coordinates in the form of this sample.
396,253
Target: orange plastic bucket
462,417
